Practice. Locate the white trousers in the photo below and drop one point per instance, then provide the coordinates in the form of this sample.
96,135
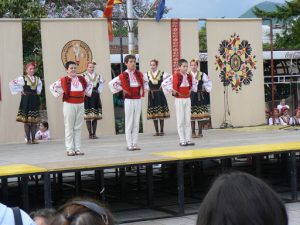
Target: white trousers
132,120
183,115
73,118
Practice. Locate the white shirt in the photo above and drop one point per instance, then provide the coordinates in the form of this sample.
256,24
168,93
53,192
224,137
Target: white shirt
115,84
57,90
16,85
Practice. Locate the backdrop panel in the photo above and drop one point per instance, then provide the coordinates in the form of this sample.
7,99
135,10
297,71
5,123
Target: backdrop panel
11,66
235,53
155,43
80,40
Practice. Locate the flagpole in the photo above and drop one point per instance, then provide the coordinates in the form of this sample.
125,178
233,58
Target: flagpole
129,7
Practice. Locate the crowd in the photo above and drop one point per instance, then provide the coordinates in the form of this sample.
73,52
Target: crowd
235,198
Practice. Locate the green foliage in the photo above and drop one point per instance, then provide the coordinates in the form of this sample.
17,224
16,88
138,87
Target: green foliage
202,40
289,14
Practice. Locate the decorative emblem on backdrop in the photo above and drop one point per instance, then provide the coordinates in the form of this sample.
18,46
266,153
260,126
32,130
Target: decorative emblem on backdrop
235,62
79,52
175,43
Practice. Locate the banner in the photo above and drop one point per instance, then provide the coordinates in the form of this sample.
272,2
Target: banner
11,66
235,66
155,42
79,40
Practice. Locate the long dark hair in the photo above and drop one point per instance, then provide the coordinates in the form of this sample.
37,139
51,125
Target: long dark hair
238,198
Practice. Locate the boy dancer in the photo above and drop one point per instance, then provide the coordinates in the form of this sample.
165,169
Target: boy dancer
181,84
133,84
73,88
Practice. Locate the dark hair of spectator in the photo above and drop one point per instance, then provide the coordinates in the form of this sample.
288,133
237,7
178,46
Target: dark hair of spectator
241,199
83,212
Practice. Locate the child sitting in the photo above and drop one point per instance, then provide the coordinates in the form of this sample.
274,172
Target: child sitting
43,133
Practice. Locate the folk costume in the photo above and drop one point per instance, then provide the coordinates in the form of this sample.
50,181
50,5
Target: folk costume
181,85
157,103
73,90
92,105
134,84
200,101
29,110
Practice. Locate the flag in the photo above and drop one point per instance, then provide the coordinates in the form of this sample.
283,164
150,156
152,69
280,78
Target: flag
108,12
160,10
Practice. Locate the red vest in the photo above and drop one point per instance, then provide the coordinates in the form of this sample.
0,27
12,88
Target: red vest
132,92
184,92
75,97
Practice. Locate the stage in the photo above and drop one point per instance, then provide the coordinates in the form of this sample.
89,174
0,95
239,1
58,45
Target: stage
49,157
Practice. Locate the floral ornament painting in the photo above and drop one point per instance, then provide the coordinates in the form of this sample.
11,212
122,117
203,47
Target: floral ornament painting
235,62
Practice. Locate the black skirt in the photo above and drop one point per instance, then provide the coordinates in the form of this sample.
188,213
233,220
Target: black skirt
157,105
29,109
199,105
93,107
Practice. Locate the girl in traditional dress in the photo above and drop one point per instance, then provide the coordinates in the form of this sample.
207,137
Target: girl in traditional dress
296,119
157,103
277,120
30,87
92,105
285,118
199,99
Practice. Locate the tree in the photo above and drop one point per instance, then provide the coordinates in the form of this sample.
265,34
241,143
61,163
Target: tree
202,39
289,14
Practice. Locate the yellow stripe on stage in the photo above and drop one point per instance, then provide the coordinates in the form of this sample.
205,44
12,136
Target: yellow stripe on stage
20,169
232,151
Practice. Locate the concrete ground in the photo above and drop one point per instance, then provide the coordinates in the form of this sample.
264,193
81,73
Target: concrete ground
292,208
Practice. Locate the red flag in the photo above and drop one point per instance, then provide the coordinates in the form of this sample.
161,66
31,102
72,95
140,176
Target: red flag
108,12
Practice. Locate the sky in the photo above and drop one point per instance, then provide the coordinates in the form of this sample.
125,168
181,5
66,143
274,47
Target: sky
210,8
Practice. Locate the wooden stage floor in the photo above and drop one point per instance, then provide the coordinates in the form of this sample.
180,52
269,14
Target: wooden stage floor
109,151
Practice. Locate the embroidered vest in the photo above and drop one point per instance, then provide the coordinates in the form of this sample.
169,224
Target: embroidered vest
132,92
75,97
184,92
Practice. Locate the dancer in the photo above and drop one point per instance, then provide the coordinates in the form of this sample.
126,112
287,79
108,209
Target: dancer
92,105
133,84
157,103
73,88
181,84
30,86
199,99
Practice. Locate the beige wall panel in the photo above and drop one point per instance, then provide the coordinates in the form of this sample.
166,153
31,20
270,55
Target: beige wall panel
55,34
11,66
247,107
155,42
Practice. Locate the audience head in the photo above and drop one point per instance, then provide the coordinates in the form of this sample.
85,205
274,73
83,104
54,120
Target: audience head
276,112
297,112
239,198
282,102
285,111
43,216
83,212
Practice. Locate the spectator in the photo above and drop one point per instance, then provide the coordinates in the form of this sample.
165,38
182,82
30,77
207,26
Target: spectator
83,212
8,215
239,198
281,105
43,216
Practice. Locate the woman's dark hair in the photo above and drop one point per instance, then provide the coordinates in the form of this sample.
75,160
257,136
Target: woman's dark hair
127,57
45,124
181,61
83,212
67,65
241,199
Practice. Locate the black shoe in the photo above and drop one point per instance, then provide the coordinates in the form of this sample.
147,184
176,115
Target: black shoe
182,144
190,143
